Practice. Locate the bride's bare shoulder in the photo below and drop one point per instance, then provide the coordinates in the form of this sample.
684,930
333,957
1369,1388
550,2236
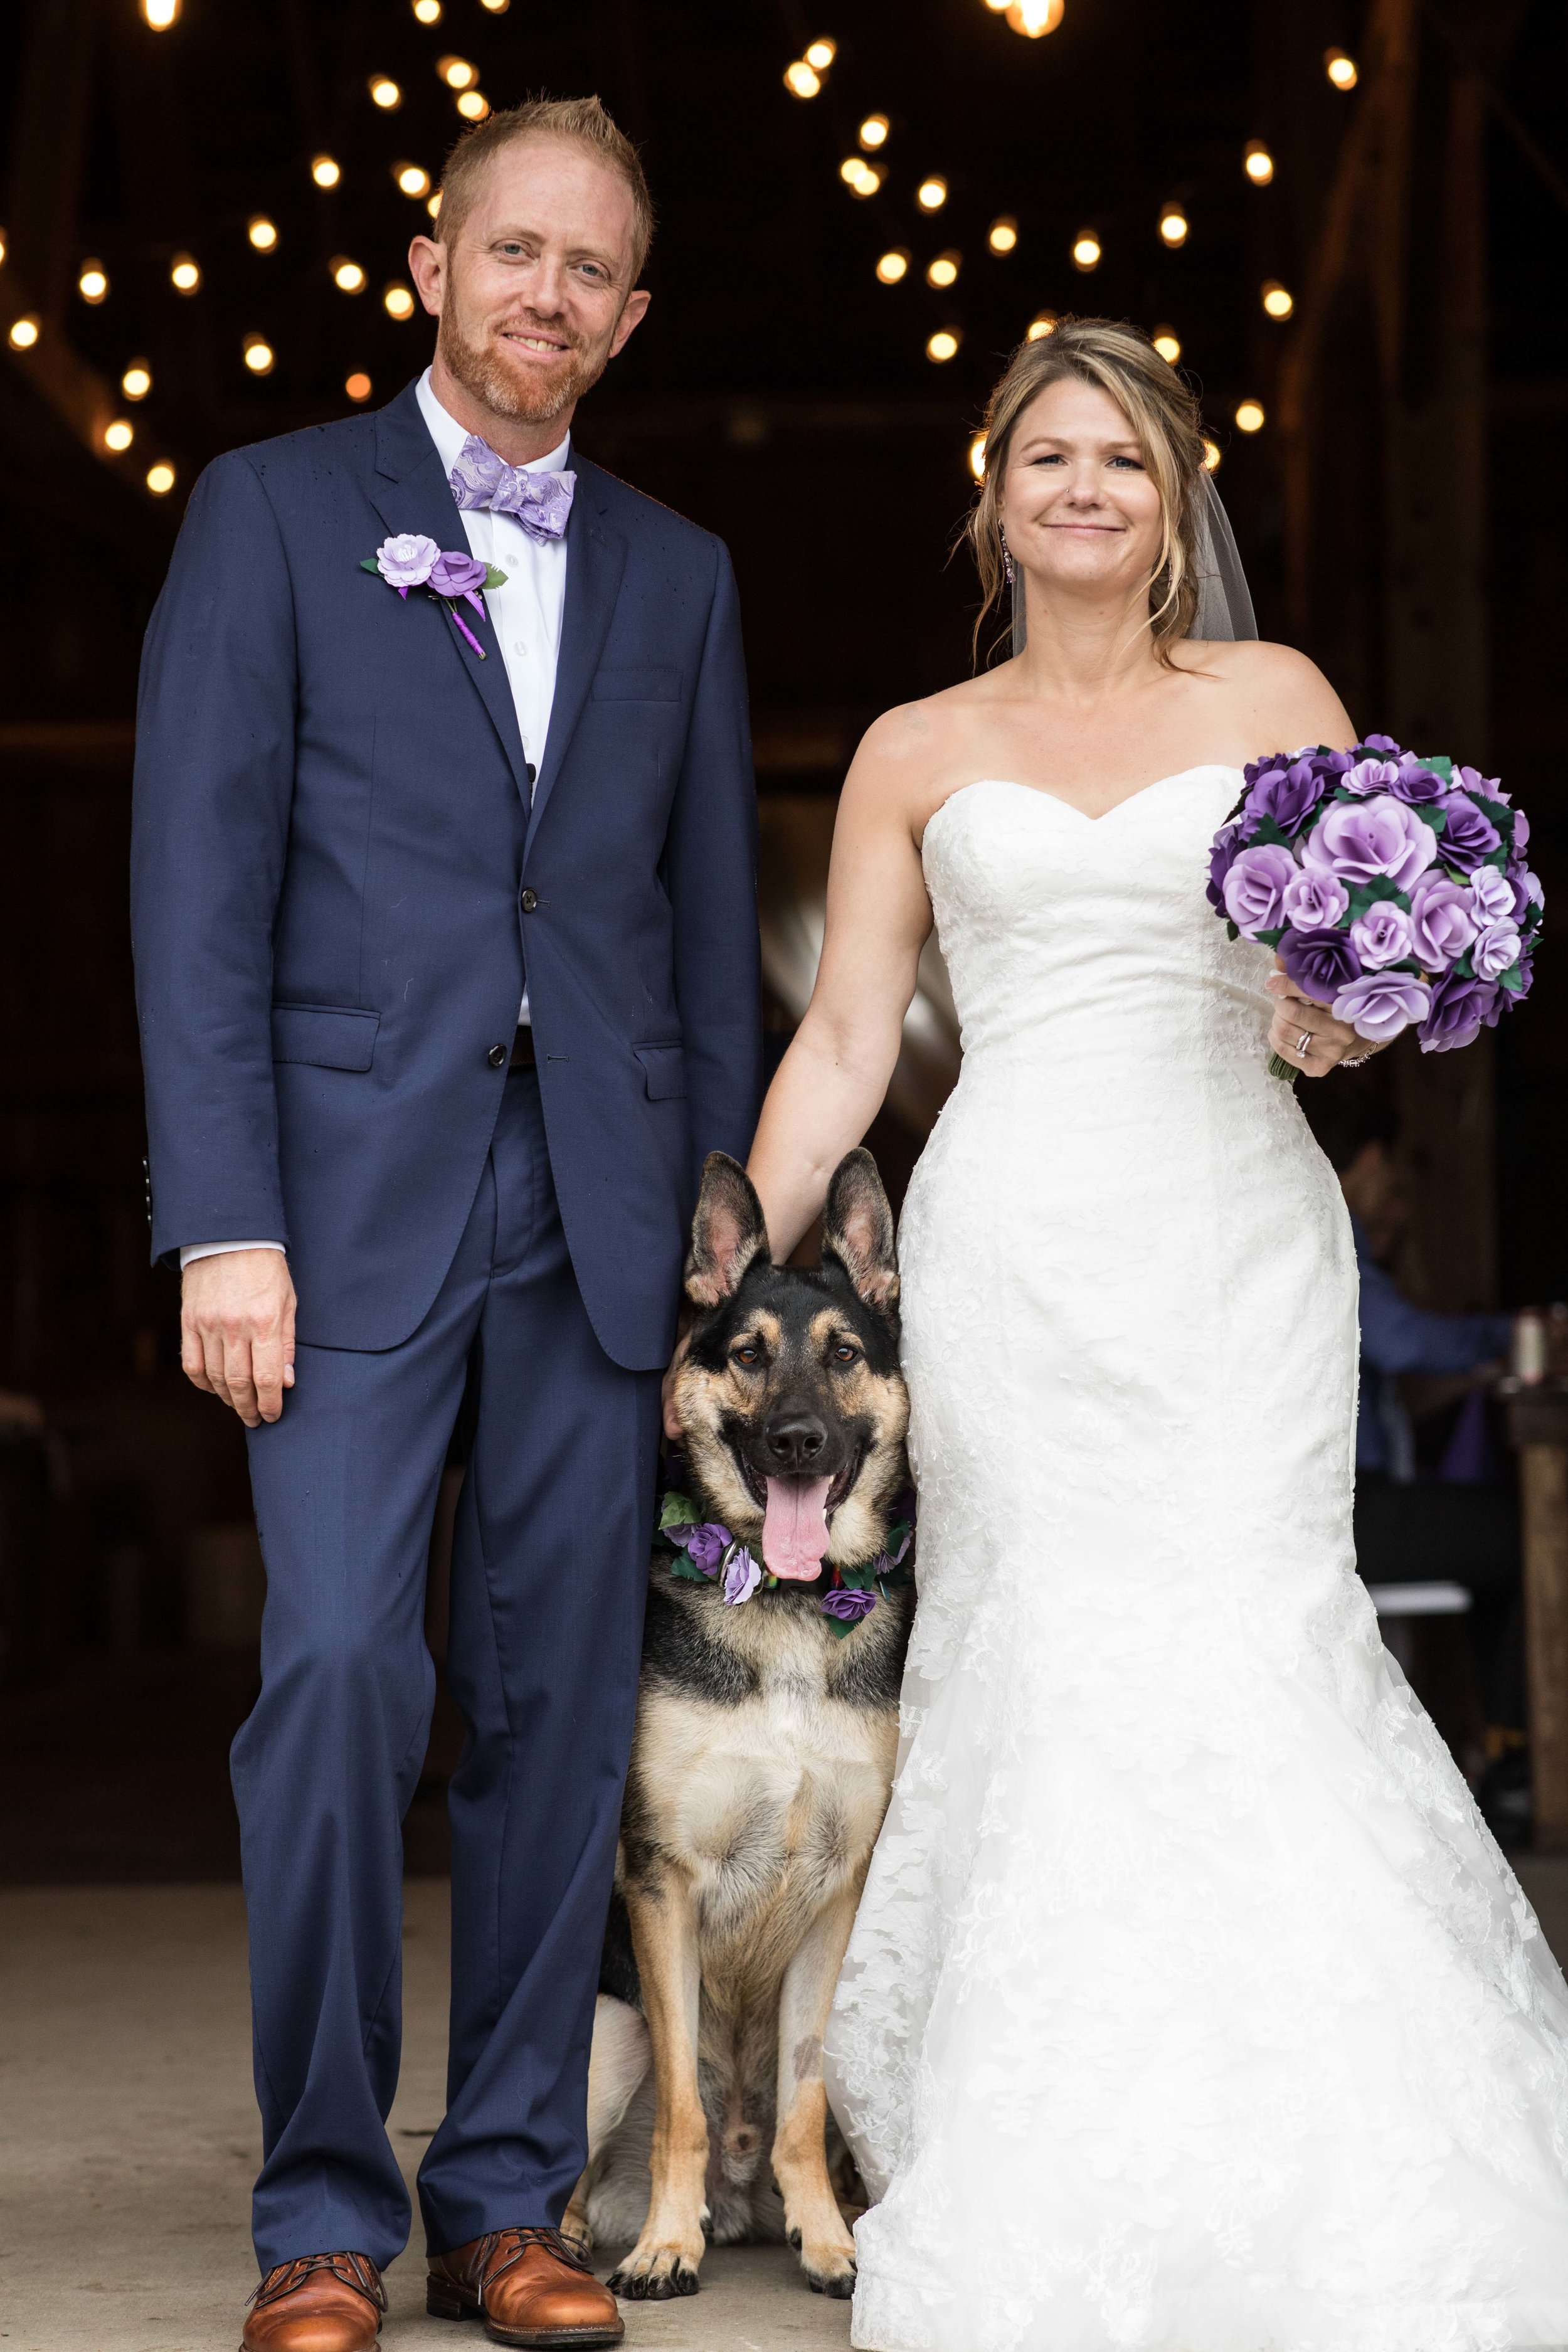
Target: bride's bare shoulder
1275,694
907,745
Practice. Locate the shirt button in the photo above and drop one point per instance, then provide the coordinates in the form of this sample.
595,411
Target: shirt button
496,1057
529,901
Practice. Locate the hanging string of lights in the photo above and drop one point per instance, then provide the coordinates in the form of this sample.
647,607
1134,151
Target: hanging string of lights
805,78
864,173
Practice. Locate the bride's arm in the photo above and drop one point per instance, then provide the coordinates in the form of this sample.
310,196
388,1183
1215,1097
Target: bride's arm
830,1084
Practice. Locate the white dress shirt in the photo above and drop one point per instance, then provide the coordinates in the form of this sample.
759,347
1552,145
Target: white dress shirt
526,617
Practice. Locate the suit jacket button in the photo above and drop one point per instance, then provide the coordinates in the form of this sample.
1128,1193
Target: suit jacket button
496,1057
529,900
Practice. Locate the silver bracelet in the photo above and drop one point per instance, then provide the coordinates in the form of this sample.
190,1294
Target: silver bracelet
1360,1062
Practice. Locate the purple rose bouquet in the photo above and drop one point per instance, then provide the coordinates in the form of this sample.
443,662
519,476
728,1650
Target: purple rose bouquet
1393,888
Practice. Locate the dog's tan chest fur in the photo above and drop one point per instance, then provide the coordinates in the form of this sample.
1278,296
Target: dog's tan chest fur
770,1807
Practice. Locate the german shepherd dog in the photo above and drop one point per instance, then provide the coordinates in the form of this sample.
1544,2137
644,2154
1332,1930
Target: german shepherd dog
763,1752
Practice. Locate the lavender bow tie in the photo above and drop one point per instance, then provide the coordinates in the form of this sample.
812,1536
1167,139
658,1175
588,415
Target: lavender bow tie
539,502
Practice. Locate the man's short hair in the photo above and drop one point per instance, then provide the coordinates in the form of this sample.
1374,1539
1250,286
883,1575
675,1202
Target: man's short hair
583,122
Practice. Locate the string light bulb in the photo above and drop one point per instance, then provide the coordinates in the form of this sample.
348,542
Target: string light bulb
1211,455
943,345
161,478
874,131
821,53
496,8
92,284
1341,68
434,205
1278,301
358,385
184,273
1249,417
347,276
137,381
932,194
473,105
427,12
1034,19
326,170
412,178
801,79
23,333
258,355
892,265
1087,250
262,232
1173,224
1,245
977,456
943,270
457,72
397,302
160,14
384,93
1257,163
861,179
1168,344
118,435
1043,322
1002,236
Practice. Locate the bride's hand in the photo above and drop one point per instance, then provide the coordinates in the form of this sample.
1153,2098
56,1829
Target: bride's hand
1306,1035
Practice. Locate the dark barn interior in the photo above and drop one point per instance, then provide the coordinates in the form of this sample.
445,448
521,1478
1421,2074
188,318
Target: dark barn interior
206,229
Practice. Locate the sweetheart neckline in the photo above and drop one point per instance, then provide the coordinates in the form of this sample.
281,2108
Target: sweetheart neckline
1038,793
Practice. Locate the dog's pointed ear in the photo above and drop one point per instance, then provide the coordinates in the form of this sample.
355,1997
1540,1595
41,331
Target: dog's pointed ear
726,1232
857,1229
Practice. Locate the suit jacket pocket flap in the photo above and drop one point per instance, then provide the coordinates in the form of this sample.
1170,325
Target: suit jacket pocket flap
663,1069
649,683
333,1037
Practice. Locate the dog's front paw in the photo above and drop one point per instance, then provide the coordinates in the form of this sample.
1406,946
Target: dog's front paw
828,2261
655,2273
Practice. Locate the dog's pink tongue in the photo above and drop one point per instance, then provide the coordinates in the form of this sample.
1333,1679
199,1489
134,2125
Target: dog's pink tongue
795,1529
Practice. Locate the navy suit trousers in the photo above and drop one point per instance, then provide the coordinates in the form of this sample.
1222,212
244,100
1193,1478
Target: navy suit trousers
549,1575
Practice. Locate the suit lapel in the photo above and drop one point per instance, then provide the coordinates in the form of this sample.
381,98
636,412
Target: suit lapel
595,559
410,492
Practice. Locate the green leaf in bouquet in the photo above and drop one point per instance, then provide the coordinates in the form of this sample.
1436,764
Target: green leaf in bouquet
682,1564
494,576
1231,932
858,1580
837,1627
1270,836
1497,857
1497,813
1271,938
1440,763
1465,967
1429,814
368,563
677,1511
1513,980
1363,895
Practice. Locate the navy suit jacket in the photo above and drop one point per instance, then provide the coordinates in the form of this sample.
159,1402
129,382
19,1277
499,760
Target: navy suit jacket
335,865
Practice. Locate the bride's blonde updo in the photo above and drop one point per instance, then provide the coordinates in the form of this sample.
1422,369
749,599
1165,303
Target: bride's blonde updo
1122,361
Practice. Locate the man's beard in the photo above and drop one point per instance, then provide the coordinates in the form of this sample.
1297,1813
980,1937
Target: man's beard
482,371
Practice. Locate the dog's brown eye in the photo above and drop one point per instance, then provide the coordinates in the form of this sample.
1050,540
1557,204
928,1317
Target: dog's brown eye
747,1355
844,1353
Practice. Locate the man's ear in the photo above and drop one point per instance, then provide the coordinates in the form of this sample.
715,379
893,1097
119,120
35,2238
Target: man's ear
726,1232
857,1230
634,310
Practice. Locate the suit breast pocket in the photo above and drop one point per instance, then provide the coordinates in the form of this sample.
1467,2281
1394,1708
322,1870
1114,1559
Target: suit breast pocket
647,682
331,1037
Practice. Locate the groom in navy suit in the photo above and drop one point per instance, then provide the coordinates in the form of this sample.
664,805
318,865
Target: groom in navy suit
445,919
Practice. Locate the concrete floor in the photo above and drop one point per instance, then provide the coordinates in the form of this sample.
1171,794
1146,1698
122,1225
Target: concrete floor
128,2136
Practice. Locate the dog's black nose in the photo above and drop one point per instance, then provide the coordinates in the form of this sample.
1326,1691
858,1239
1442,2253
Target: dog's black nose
794,1436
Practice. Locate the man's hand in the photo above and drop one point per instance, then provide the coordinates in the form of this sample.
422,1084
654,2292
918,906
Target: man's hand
237,1330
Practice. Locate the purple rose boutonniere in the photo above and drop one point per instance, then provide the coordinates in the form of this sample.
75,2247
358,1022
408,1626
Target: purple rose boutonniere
1391,884
409,560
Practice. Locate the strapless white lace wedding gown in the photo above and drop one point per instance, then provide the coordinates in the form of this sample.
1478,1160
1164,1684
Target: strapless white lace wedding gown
1190,2008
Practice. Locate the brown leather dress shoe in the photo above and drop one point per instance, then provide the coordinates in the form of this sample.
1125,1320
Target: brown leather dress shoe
323,2303
529,2286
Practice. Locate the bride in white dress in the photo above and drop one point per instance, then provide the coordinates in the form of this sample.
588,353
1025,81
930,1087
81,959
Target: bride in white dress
1190,2007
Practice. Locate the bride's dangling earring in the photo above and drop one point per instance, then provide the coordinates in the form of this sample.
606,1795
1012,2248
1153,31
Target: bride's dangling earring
1006,555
